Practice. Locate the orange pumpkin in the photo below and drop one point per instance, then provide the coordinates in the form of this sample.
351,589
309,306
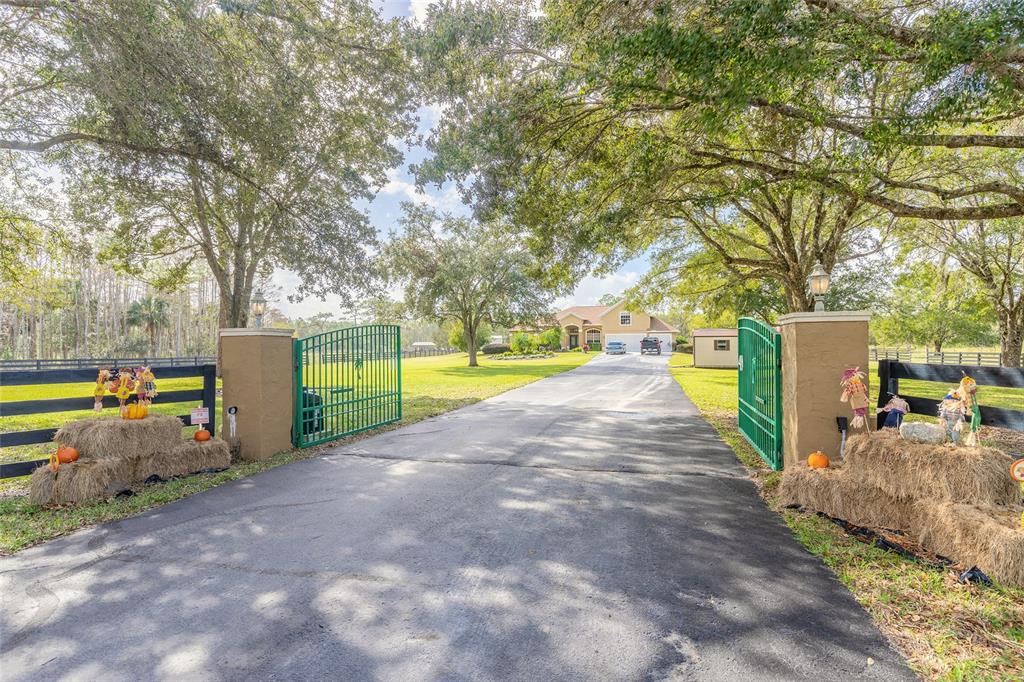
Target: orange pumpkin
66,454
135,411
202,435
817,460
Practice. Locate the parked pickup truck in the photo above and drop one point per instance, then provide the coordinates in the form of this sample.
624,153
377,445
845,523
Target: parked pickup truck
650,344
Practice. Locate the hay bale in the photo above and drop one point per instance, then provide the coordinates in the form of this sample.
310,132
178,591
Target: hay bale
81,481
834,492
106,437
187,457
986,536
922,471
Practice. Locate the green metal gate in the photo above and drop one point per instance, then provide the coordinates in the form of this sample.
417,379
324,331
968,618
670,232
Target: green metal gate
346,381
760,389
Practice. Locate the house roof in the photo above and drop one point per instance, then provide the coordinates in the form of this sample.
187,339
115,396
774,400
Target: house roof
592,314
658,325
715,331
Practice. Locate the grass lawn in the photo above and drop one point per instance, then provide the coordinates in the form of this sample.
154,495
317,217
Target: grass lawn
947,631
430,386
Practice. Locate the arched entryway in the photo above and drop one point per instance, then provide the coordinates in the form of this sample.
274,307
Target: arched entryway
573,332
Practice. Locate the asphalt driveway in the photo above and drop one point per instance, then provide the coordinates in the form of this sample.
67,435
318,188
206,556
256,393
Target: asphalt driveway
589,526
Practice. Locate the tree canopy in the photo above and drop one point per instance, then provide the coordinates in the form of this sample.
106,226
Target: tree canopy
456,270
744,138
244,134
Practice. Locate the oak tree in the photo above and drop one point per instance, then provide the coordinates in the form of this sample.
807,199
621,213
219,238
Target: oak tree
456,270
242,134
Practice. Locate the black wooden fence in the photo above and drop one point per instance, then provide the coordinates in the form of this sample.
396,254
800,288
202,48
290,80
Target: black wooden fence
207,394
890,372
93,363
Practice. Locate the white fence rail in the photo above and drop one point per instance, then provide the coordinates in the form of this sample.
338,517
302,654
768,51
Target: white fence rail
929,357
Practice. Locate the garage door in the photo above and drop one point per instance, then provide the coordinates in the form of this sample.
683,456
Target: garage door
632,341
667,342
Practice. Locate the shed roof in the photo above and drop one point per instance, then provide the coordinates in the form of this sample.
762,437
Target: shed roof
715,331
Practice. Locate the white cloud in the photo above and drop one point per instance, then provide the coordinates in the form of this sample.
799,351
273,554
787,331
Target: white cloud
418,9
396,185
446,199
287,282
590,288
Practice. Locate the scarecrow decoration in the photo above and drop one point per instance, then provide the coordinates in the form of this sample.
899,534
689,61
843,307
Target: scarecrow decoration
146,388
894,410
951,414
101,389
122,387
968,390
855,392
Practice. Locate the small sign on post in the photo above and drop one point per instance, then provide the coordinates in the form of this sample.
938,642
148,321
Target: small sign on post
199,416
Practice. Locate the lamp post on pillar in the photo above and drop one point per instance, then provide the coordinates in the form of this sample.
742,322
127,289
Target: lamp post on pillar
817,283
259,307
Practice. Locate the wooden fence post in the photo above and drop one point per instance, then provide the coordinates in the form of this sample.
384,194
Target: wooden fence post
210,394
888,386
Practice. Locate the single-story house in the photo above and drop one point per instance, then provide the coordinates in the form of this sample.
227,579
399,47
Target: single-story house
715,348
596,325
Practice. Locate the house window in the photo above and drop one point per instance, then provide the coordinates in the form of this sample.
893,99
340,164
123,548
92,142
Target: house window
593,336
625,319
721,344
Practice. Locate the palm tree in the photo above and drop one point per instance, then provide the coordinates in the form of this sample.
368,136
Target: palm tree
149,313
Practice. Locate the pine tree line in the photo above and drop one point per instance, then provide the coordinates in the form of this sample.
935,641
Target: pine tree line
72,305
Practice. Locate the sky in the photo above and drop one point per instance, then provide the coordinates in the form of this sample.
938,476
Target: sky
385,209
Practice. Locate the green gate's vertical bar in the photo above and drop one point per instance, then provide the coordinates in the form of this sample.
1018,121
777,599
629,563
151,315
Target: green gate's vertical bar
760,388
398,371
297,408
777,402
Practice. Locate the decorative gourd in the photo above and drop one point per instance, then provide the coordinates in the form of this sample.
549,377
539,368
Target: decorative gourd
202,435
66,454
136,411
817,460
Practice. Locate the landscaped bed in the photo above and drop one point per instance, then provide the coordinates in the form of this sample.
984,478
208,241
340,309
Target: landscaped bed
523,356
947,630
430,386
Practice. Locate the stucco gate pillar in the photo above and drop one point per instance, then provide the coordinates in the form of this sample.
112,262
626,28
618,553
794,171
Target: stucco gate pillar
257,371
816,348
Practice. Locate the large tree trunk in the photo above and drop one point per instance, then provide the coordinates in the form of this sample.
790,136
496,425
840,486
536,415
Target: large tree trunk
797,298
470,330
1011,338
233,312
234,308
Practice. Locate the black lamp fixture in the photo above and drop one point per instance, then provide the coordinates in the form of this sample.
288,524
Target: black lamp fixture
259,307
